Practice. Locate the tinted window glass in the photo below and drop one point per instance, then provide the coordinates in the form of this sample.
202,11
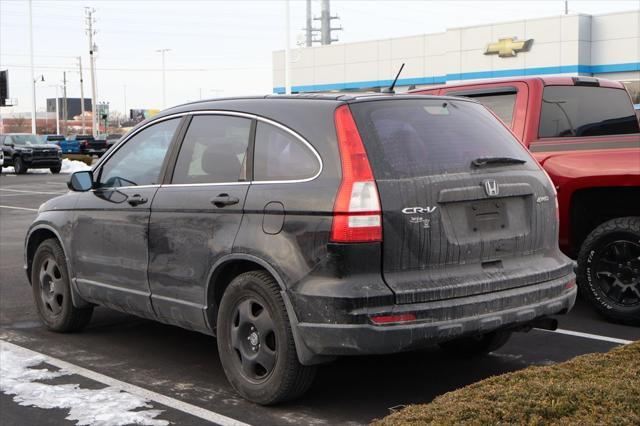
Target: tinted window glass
281,156
501,105
139,160
408,138
586,111
214,150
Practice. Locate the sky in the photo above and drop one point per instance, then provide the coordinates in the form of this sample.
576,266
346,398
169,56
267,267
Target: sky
218,48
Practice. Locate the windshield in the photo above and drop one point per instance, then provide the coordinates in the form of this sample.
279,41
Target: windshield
408,138
27,140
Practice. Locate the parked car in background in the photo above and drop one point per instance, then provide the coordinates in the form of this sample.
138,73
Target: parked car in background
67,146
26,151
585,133
637,108
89,145
1,159
310,227
113,138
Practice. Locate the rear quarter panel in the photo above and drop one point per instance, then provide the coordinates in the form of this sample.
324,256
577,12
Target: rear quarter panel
571,171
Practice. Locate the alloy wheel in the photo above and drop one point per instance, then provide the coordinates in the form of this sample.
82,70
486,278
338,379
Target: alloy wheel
51,287
618,272
253,338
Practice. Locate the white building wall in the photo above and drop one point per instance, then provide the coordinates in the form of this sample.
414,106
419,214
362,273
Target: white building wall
568,44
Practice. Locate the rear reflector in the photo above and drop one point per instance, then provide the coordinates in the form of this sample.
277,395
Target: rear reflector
570,284
386,319
356,212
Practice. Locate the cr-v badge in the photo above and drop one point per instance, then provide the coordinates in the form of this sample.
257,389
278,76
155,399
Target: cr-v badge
418,210
491,187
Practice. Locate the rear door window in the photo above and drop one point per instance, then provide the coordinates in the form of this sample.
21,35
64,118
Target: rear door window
501,104
573,111
279,155
214,150
408,138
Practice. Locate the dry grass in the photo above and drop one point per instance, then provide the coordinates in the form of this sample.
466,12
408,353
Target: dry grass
587,390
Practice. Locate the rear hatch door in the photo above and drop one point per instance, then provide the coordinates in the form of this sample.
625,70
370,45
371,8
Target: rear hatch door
466,209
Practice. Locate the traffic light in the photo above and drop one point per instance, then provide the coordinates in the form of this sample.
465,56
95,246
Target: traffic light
4,87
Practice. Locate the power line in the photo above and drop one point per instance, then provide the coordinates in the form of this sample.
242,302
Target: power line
56,67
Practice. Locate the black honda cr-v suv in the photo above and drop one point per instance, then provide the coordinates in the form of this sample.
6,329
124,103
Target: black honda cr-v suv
299,228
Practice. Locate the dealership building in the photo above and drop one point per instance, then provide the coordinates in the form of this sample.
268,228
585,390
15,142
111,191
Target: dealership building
606,46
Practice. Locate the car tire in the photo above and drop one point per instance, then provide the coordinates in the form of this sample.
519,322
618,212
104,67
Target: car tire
255,342
19,166
480,344
55,170
52,292
608,273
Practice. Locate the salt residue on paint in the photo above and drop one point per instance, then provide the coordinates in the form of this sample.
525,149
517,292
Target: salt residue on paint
102,407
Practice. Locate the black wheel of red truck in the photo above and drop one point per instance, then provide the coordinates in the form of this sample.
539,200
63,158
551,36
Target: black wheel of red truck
609,269
19,166
255,342
52,292
480,344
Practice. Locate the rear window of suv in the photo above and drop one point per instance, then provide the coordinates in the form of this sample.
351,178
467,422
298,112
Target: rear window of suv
408,138
570,111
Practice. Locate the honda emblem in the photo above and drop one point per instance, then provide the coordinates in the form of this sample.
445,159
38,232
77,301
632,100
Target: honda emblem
491,187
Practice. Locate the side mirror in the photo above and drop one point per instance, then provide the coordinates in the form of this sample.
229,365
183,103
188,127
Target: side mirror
81,181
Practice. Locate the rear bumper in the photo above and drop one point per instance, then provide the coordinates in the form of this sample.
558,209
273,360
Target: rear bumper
440,320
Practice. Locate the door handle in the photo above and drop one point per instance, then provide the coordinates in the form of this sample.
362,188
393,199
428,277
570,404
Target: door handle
223,200
136,200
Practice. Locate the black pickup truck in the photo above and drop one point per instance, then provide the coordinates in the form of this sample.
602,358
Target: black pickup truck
89,145
26,151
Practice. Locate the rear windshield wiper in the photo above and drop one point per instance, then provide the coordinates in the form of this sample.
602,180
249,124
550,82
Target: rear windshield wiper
484,161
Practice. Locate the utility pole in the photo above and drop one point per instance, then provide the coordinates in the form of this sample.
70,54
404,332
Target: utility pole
309,29
57,112
124,89
325,24
81,93
164,88
92,65
64,101
287,54
33,78
566,7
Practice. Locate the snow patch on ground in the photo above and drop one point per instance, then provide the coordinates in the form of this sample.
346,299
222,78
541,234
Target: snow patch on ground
102,407
72,166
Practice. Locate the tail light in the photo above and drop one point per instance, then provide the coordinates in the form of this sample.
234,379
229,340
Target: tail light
85,144
356,212
555,193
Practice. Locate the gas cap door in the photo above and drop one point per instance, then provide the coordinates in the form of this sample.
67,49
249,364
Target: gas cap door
273,218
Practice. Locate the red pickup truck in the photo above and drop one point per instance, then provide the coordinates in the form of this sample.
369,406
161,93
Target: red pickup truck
585,134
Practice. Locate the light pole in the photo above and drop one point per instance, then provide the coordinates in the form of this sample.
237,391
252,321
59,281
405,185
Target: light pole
57,112
33,78
164,90
287,63
34,128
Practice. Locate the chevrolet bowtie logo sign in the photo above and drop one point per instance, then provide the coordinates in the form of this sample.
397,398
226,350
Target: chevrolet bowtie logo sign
508,47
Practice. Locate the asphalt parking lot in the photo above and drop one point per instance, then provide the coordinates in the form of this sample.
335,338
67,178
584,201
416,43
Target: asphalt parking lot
179,372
